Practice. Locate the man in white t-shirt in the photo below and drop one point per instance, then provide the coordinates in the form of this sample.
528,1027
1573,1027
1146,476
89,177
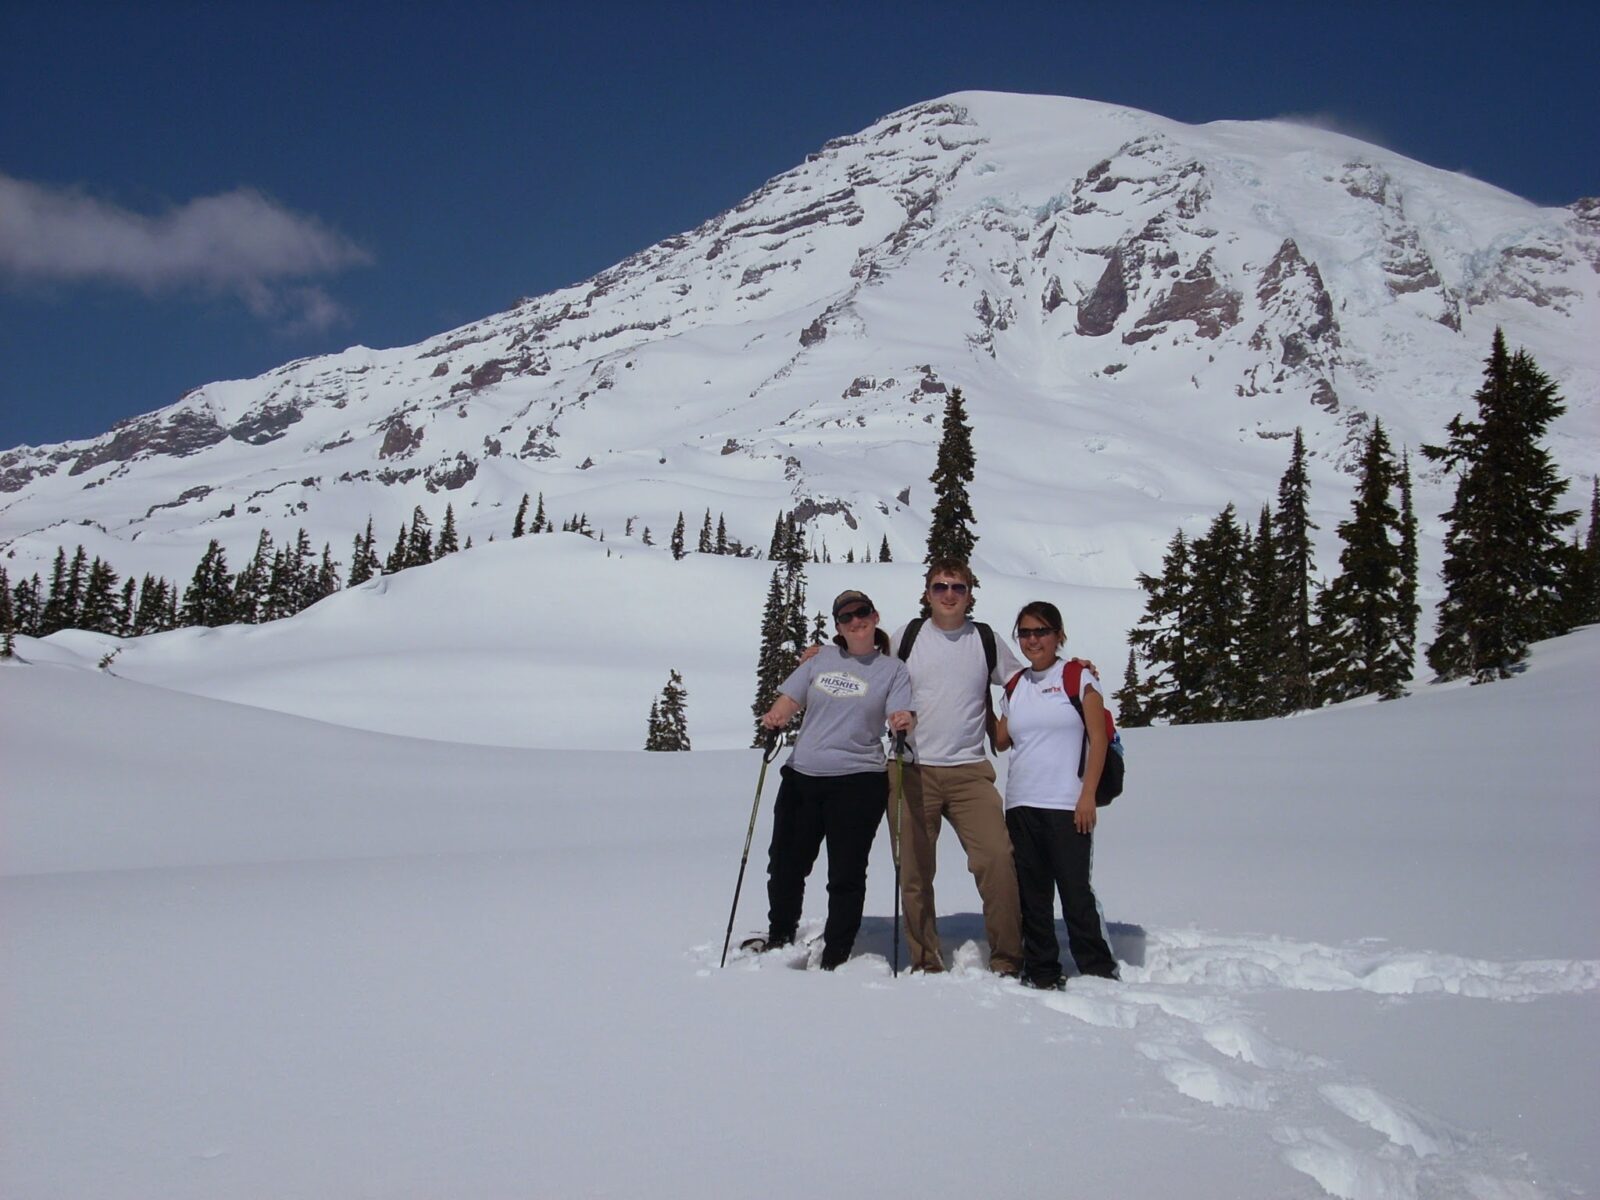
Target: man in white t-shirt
949,776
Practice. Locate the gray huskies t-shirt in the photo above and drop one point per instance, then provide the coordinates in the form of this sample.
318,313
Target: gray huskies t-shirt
846,701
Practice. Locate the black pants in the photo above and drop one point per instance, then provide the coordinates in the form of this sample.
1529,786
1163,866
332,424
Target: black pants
844,811
1051,856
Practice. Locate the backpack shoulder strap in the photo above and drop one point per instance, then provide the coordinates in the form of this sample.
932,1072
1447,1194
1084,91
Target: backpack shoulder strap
991,653
1011,684
913,627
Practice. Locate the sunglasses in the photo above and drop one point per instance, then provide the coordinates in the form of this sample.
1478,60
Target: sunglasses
940,588
1024,635
853,614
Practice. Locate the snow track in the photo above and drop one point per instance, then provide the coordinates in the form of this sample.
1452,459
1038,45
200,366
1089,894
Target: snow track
1187,1011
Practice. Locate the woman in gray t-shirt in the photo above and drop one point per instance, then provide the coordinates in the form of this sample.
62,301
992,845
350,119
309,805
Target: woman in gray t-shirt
834,786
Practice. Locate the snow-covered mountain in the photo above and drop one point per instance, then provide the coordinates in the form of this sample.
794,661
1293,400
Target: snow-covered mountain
1137,310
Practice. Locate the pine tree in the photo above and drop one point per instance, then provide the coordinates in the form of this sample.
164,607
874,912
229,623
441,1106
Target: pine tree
449,541
364,562
249,586
819,629
1265,633
1218,690
419,545
950,533
1586,593
99,612
883,550
1129,698
645,538
8,618
27,605
703,546
125,608
652,731
774,661
150,615
677,538
53,616
72,602
209,599
669,716
542,523
721,544
396,561
1362,618
1164,633
1504,549
518,526
326,580
1296,565
1410,610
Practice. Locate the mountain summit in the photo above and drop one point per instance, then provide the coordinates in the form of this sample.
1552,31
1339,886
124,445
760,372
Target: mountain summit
1137,311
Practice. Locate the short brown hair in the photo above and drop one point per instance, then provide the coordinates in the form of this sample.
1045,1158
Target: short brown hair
956,567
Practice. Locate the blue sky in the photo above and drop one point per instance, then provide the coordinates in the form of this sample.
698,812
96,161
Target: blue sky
193,192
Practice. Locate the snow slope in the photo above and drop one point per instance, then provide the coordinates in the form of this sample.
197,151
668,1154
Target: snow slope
249,953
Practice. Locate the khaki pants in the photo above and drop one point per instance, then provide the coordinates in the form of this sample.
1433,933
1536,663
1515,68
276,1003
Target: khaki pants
967,797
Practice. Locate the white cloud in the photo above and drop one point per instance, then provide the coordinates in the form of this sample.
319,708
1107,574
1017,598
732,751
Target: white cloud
240,243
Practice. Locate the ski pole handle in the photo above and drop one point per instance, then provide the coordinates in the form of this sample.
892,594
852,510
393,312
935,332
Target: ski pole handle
900,744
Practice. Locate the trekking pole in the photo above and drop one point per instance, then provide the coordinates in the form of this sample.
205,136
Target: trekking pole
899,807
770,753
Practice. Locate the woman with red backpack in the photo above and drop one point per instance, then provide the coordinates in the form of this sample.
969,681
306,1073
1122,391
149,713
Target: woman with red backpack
1051,809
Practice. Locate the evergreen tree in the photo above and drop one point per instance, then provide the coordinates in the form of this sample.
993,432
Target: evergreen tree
1218,688
53,616
645,538
677,538
302,573
819,629
542,523
27,605
775,660
125,608
1265,634
325,581
278,600
1163,635
1130,701
652,730
364,562
1296,565
1503,544
721,544
250,585
419,545
99,612
704,544
8,618
950,533
1586,593
397,557
883,550
449,541
518,527
209,599
1361,639
669,716
1410,610
149,616
77,580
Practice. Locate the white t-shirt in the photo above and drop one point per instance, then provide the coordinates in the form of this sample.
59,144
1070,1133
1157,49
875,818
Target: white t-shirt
949,680
1046,739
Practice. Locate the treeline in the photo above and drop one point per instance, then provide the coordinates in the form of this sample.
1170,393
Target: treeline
1239,625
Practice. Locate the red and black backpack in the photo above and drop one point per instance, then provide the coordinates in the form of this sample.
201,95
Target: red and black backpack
1111,775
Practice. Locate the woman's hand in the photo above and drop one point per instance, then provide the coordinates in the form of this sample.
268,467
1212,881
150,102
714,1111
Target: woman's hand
903,721
1083,817
780,714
